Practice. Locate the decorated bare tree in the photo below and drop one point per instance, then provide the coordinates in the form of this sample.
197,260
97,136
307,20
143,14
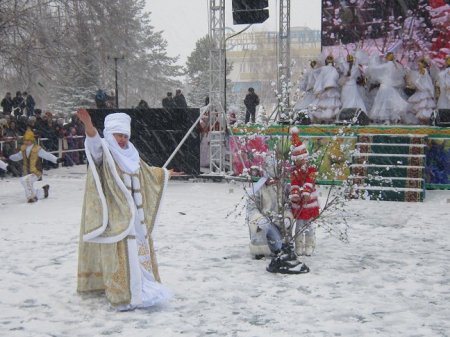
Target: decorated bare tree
282,206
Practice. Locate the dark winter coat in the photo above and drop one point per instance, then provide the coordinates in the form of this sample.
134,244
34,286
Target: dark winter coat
143,105
29,105
180,101
168,103
18,105
7,105
251,101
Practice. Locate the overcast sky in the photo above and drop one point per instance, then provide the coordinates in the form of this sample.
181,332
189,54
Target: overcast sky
186,21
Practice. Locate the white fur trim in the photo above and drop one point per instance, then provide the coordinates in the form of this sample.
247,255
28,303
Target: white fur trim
138,199
299,148
99,188
136,183
294,130
127,180
311,186
312,205
95,235
302,156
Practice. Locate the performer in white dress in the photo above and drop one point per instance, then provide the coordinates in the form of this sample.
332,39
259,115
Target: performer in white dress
306,86
121,202
389,105
422,101
327,92
444,86
351,82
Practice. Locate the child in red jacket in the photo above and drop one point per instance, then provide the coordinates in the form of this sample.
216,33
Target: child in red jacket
303,196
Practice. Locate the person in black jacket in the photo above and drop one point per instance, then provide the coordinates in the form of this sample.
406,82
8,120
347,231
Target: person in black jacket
168,101
179,99
29,104
7,104
251,101
18,104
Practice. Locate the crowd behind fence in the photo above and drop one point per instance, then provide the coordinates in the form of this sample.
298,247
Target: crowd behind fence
62,137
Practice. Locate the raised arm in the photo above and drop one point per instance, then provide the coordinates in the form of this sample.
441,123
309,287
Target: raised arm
85,118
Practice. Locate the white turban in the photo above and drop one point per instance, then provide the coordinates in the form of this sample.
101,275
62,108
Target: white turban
127,159
118,123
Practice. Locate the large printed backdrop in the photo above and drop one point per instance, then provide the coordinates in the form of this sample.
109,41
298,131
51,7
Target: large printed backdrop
407,27
336,156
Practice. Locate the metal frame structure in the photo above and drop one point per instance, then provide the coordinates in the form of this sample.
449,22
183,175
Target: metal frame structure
217,77
284,49
217,120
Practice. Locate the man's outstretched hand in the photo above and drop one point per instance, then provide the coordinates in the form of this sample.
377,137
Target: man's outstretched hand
85,118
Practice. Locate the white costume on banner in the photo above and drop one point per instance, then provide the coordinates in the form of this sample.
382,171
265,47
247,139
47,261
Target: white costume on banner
388,105
422,101
137,286
326,89
444,86
306,86
351,92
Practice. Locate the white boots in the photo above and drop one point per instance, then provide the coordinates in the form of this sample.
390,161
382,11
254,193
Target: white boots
310,244
300,244
305,243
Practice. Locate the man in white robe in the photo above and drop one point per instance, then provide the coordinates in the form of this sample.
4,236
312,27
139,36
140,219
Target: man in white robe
121,202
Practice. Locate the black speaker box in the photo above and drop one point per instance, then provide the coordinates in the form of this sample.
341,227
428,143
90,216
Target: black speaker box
249,11
352,116
157,132
440,117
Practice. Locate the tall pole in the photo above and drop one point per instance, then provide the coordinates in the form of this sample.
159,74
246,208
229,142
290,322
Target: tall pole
116,58
117,87
217,146
284,46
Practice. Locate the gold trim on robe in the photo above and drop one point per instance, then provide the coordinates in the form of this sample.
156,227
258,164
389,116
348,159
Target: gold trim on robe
105,266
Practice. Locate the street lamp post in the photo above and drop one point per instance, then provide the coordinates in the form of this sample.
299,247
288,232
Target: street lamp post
116,58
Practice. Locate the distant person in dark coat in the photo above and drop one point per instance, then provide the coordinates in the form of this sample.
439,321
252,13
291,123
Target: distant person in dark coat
143,105
29,104
168,101
7,104
251,101
179,99
18,104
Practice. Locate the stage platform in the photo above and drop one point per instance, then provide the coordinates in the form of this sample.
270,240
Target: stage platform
406,152
329,130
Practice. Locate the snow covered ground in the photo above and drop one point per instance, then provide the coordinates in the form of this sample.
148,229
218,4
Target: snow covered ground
391,279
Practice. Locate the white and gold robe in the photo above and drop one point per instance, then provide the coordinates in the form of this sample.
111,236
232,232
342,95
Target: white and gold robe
116,250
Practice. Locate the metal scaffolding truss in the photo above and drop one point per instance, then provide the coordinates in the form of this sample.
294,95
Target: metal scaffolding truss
217,120
284,52
218,149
